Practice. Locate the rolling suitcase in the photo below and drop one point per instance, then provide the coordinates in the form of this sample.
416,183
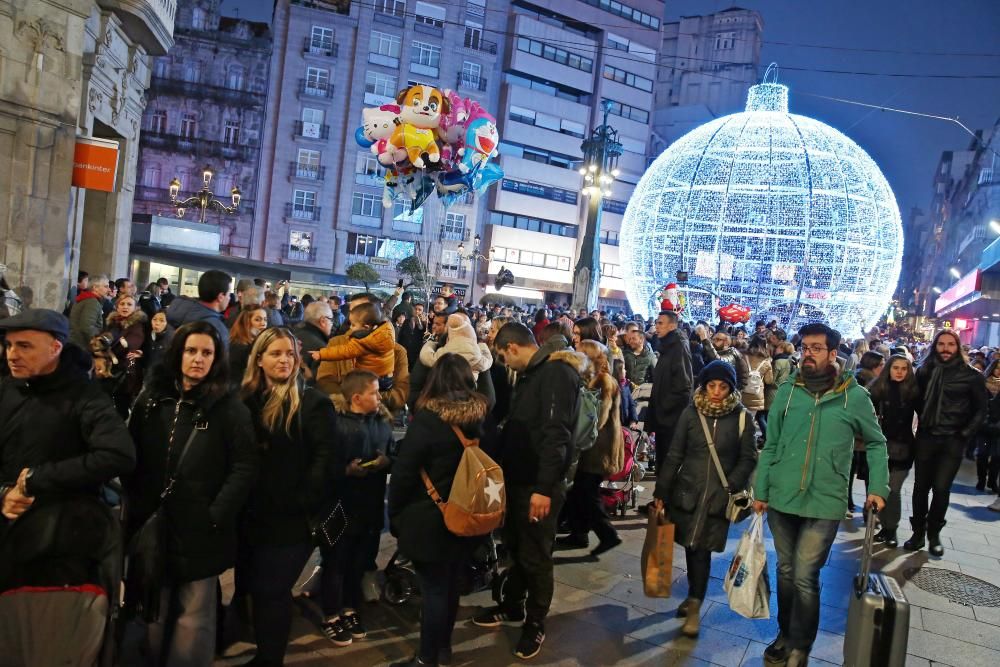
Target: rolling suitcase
878,619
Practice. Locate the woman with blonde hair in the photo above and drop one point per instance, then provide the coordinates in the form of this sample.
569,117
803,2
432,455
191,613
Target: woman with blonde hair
585,510
248,325
294,425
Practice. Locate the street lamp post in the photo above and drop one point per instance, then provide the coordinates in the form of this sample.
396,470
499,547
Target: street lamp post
475,256
599,170
203,199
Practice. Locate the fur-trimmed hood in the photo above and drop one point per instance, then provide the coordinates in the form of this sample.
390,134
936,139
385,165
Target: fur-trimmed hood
115,320
343,409
470,410
577,360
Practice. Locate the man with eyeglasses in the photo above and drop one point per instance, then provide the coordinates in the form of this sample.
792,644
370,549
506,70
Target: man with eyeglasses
724,351
811,429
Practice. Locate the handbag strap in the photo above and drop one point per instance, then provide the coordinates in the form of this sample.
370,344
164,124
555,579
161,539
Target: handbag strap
180,459
466,442
711,449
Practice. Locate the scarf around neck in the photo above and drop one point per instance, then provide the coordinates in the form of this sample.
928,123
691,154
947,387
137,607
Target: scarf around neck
819,383
935,385
715,410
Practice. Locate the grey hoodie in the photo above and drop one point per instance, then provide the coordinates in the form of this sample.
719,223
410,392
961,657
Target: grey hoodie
184,309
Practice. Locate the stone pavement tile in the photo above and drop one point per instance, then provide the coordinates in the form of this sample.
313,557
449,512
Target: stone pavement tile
914,661
949,651
916,617
722,618
991,575
589,578
918,597
989,615
967,630
715,646
965,558
594,644
631,592
828,647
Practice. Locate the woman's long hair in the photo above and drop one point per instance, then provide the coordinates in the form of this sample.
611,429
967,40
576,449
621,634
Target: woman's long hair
283,397
909,390
240,333
450,379
595,352
590,329
216,383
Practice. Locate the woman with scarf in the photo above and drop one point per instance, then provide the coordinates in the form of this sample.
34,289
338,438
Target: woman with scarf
689,486
896,397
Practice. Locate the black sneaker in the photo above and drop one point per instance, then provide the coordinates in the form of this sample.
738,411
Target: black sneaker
444,657
354,626
532,636
777,652
336,631
495,616
571,542
605,545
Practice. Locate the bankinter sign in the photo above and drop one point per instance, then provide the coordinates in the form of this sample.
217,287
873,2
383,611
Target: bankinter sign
95,164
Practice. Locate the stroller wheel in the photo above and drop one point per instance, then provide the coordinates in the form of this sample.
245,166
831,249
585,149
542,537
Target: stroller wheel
398,589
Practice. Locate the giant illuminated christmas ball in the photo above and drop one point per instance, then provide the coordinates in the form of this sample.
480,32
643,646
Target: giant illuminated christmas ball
770,210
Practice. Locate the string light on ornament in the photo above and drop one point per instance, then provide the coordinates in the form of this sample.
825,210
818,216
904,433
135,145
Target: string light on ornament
770,210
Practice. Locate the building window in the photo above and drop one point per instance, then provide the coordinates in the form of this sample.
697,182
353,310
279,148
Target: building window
472,74
310,115
430,14
189,125
725,40
151,176
425,58
235,77
555,54
317,81
391,7
307,163
630,112
522,115
454,223
366,204
162,68
531,258
617,43
402,212
381,84
158,122
475,7
300,245
364,244
450,260
368,165
609,237
192,72
611,270
533,224
384,44
628,78
321,40
199,20
231,134
304,204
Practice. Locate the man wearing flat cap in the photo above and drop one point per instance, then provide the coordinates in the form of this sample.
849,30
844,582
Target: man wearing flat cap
60,441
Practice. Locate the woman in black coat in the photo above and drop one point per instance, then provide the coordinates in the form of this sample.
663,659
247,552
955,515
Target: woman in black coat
294,425
689,484
195,443
448,400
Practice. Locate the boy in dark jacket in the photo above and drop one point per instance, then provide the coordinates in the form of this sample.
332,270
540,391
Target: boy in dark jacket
360,469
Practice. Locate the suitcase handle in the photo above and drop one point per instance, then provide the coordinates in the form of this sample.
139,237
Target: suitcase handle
861,580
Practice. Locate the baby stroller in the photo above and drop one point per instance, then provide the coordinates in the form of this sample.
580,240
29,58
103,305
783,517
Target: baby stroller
621,490
645,452
60,606
401,579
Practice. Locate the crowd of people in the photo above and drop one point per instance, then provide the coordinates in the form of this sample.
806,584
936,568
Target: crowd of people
247,424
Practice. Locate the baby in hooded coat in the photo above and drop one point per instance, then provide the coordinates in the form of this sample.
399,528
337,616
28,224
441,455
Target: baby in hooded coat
462,341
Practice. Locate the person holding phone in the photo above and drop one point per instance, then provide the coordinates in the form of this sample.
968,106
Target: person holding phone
360,469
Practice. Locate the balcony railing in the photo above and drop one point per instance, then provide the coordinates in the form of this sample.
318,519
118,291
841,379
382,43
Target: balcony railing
311,130
307,172
200,148
390,16
475,42
302,212
196,90
311,47
471,81
425,70
445,271
322,90
428,28
454,235
297,254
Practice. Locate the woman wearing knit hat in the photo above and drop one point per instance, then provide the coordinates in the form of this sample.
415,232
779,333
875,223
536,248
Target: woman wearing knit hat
693,495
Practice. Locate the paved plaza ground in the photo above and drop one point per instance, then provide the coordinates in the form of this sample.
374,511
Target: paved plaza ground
601,617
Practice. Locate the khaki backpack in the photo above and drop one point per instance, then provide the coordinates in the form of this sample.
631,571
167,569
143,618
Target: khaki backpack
478,498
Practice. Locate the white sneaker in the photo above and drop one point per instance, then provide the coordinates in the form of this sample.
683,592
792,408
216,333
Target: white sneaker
995,506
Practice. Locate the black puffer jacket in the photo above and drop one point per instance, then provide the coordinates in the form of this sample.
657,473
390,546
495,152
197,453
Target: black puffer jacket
212,483
313,339
292,486
361,437
689,484
432,445
954,408
672,383
538,437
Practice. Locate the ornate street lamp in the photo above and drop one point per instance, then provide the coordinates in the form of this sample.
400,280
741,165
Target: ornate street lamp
600,169
476,256
204,198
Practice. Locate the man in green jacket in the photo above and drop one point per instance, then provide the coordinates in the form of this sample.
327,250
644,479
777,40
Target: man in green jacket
802,477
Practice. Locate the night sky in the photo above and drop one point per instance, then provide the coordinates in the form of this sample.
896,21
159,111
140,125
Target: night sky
906,147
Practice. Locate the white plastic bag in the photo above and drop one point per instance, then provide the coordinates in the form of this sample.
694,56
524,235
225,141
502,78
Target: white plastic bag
746,581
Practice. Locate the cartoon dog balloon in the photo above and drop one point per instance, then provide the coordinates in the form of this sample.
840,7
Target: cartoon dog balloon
420,114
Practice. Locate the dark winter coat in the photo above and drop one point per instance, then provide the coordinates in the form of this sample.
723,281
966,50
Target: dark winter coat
411,337
672,383
64,428
431,445
954,411
689,484
132,330
86,319
895,415
156,345
239,358
184,309
361,437
212,483
639,365
293,484
312,339
538,437
418,378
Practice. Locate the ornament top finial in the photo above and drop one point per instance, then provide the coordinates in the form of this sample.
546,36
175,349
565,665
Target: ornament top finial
768,95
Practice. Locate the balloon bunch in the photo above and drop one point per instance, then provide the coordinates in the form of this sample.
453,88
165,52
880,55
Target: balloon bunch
432,140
